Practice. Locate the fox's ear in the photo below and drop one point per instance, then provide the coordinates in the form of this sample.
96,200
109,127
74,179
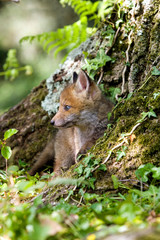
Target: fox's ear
75,76
83,82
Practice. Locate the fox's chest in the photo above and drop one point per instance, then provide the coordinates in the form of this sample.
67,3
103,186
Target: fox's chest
82,139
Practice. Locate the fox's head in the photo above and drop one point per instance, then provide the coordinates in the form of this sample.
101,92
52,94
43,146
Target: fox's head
77,102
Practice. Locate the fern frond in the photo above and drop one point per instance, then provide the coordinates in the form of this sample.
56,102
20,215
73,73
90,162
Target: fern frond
81,7
73,35
68,37
98,9
105,8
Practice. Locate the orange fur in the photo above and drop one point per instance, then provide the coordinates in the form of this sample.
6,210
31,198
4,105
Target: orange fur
81,120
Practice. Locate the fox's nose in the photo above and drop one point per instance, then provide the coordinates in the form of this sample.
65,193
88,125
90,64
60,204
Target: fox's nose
52,122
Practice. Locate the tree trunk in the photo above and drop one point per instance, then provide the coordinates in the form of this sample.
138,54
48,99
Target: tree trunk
141,139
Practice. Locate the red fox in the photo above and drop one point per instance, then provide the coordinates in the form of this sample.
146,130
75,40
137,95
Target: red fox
81,120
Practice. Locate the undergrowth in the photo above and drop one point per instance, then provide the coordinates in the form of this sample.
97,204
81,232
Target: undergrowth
83,214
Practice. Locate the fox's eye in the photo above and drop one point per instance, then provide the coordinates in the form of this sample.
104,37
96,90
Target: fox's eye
67,107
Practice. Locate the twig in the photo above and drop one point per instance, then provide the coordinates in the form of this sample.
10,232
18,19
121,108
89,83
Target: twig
114,40
6,167
117,146
133,180
130,133
100,78
69,195
125,67
74,200
80,202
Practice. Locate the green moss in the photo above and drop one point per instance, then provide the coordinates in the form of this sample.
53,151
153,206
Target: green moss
145,147
149,137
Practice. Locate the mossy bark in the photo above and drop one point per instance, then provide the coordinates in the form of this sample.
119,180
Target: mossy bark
33,122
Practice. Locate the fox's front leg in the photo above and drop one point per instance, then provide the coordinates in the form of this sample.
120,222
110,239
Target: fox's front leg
64,159
64,151
46,156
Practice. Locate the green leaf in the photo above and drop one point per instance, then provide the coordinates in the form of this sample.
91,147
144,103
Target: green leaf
14,73
91,196
13,169
99,61
155,71
112,91
151,113
29,70
156,172
129,211
143,171
102,167
155,95
6,152
84,225
97,207
91,182
87,171
109,116
115,181
121,153
79,169
9,133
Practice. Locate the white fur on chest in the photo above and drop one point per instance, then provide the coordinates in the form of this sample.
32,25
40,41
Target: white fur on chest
81,137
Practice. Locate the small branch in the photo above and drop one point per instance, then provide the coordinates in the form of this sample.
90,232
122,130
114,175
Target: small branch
131,132
68,194
125,68
133,180
6,167
100,78
80,202
117,146
114,40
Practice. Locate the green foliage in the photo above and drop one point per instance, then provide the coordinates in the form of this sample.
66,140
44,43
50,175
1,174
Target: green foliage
109,34
12,67
155,71
72,36
148,114
82,8
98,215
149,170
92,66
115,181
111,92
121,153
67,38
95,10
6,150
155,95
9,133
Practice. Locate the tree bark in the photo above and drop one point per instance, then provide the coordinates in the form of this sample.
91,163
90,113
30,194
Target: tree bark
142,50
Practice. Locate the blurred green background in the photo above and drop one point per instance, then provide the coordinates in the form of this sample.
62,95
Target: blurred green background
28,18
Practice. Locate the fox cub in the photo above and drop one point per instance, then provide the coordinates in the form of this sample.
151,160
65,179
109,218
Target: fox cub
81,120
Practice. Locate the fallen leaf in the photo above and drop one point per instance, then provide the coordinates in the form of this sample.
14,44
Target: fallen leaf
132,137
